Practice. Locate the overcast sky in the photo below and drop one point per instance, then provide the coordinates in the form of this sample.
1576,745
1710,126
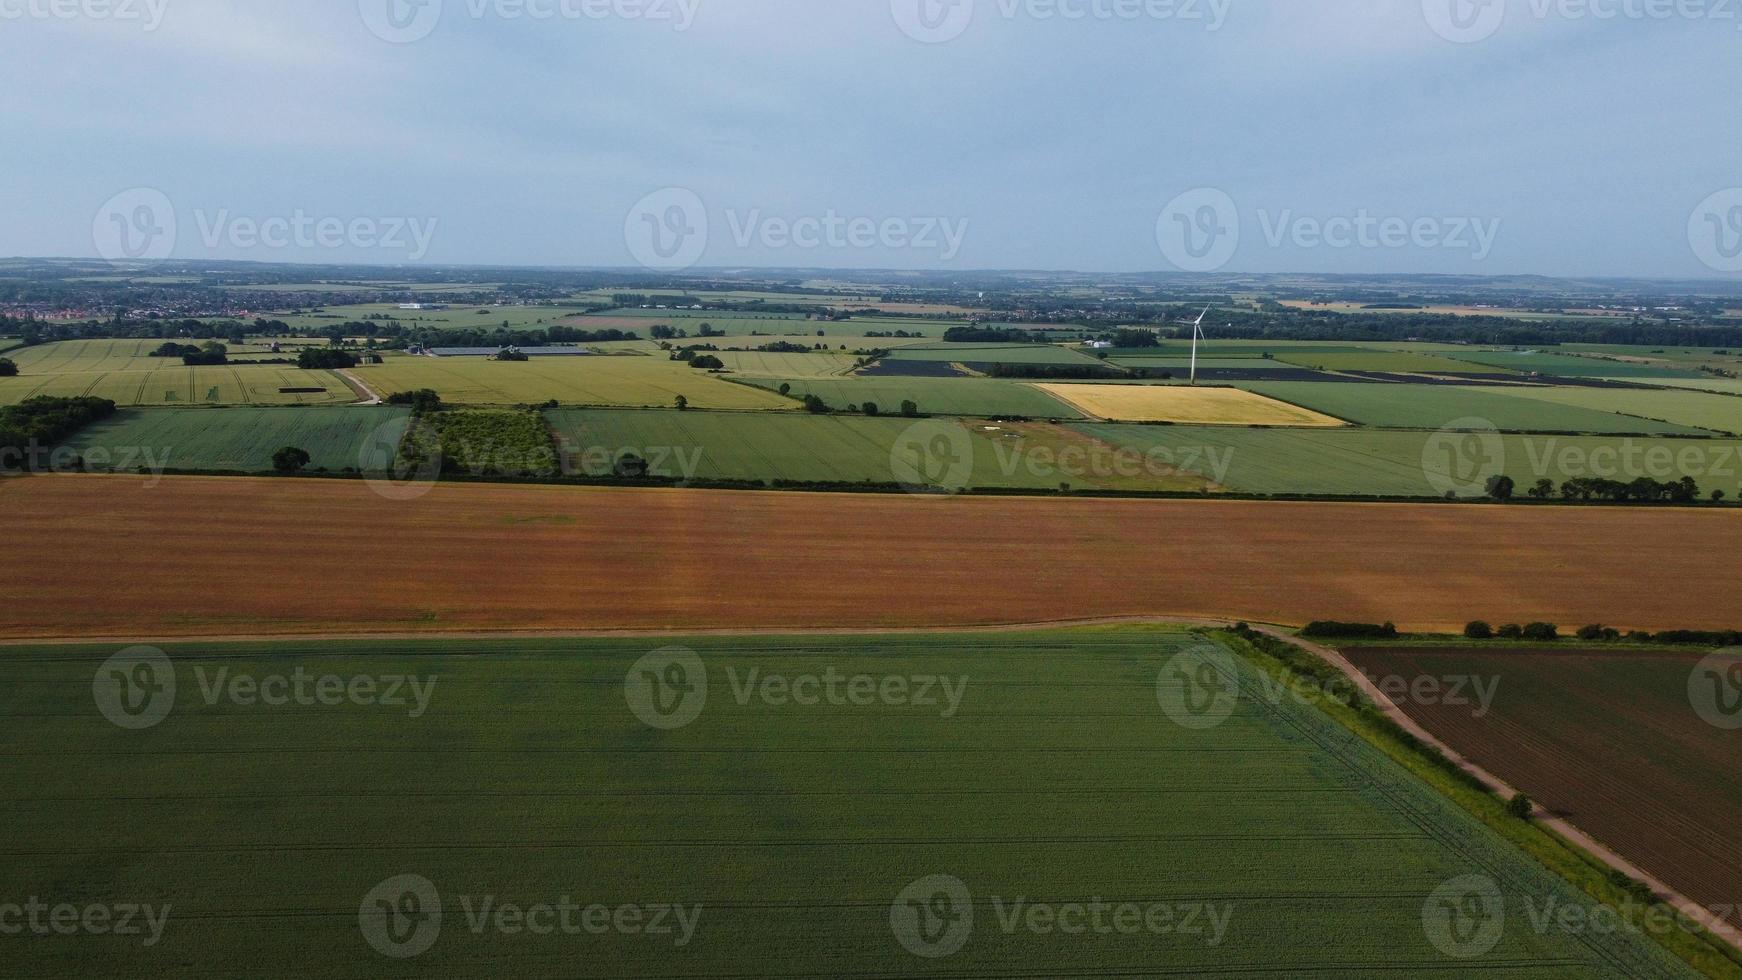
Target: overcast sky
1333,135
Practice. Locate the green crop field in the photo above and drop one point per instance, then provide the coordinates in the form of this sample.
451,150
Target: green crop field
1434,406
977,397
767,446
1718,413
454,318
1395,463
996,354
702,815
1570,366
233,439
484,443
617,380
1383,360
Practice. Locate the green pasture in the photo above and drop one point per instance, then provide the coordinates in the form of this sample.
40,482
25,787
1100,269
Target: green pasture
1137,767
1718,413
1425,406
237,439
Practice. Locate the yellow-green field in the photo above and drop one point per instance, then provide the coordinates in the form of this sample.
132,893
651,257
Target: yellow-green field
120,371
768,365
625,381
1195,406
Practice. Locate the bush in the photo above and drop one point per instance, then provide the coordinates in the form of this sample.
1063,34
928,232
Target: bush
1595,632
327,358
1520,806
1511,631
1333,628
1479,630
1542,632
815,405
910,409
707,362
871,409
289,459
422,401
7,368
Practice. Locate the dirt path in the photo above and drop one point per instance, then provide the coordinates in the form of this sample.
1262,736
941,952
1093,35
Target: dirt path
368,395
1559,825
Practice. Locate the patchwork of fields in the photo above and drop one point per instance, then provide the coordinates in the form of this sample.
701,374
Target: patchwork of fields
1606,736
789,831
119,370
974,397
1435,406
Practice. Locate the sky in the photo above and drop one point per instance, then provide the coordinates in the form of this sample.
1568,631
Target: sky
1483,137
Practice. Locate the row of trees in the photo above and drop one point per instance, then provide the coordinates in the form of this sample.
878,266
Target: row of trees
1643,490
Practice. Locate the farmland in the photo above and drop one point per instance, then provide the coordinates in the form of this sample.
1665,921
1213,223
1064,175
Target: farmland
616,380
1380,360
1271,828
761,447
528,558
1717,413
119,370
234,439
1434,406
1203,406
764,364
1605,736
974,397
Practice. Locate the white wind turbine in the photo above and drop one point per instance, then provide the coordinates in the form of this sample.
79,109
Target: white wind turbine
1197,335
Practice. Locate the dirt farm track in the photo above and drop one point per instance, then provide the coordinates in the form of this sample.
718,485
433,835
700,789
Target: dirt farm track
114,557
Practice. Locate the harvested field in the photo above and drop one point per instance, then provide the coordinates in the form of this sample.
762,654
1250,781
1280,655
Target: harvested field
1192,406
555,558
1608,738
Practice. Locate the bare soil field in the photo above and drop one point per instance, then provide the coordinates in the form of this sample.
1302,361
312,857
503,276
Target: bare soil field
115,556
1608,739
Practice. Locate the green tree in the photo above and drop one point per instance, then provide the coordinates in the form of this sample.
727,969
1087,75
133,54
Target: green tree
1520,806
871,409
815,405
290,459
10,370
1501,487
683,404
1479,630
910,409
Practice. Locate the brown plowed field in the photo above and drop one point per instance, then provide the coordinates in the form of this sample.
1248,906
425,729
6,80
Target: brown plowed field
1608,739
111,556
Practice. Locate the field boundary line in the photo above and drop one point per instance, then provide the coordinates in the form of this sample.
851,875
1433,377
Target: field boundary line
368,395
1559,825
1185,623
